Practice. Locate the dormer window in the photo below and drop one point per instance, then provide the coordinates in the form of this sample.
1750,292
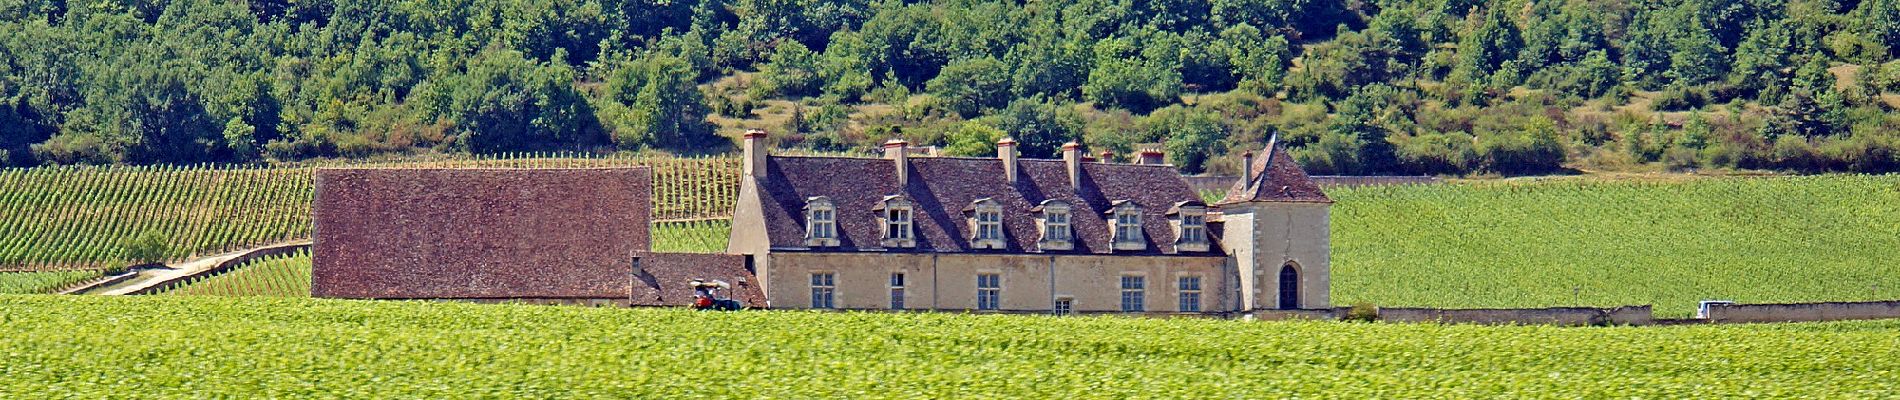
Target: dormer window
1053,224
1190,226
821,222
986,224
1127,226
896,214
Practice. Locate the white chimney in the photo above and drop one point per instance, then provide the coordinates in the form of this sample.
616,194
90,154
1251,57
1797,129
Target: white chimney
1006,150
1072,155
755,153
898,151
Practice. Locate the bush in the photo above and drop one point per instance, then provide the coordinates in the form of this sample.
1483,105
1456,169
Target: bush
1362,312
146,248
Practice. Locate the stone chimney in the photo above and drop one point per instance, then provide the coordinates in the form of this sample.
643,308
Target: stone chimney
1150,155
1072,156
1246,166
755,153
899,152
1006,151
1107,157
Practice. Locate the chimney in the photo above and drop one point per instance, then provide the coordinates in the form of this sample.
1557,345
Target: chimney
1107,157
1246,166
755,153
898,151
1006,150
1150,155
1072,156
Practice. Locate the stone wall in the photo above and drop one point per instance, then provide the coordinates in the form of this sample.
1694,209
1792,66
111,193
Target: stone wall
1563,316
1836,311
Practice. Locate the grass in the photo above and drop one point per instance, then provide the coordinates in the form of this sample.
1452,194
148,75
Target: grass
213,347
1598,242
43,282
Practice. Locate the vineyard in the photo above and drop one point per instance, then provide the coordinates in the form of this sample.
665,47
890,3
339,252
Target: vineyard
43,282
1612,242
78,218
286,275
92,347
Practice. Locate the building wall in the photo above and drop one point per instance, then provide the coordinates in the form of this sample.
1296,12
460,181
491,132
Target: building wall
1030,283
1265,236
747,235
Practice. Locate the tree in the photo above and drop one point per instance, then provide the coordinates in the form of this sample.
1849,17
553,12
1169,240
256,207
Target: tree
147,247
1039,126
791,71
506,102
972,139
662,106
1121,80
970,86
1696,58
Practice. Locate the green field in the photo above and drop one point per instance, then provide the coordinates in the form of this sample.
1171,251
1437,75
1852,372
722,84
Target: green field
1614,242
284,275
213,347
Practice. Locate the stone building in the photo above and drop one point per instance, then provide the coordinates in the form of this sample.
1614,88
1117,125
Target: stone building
1006,234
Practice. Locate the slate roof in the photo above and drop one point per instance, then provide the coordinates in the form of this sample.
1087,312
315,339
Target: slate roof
942,187
478,233
1276,178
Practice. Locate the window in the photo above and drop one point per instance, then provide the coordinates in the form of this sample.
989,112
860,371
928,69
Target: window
897,290
1127,226
822,288
986,224
1064,306
821,222
1132,296
1190,289
989,291
895,211
1055,224
1190,226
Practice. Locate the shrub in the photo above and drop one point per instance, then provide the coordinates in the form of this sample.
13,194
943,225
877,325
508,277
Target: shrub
146,248
1362,312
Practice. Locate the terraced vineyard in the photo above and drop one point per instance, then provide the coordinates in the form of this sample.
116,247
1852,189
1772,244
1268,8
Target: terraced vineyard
43,282
78,218
1613,242
286,275
92,347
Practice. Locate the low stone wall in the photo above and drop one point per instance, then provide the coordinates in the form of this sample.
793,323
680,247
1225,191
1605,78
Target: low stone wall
1803,312
1562,316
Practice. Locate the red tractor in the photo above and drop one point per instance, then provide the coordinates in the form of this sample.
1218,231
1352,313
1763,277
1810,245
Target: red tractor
709,295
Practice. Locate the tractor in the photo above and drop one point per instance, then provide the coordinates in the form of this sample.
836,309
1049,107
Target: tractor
710,296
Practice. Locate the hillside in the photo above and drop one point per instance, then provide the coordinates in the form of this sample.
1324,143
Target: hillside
253,347
1486,87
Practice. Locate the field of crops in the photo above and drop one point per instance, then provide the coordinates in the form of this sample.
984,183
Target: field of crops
286,275
692,236
1614,242
43,282
212,347
79,218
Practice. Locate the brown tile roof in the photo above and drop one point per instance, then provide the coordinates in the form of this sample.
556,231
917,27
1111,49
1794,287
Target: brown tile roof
666,278
941,187
478,233
1276,178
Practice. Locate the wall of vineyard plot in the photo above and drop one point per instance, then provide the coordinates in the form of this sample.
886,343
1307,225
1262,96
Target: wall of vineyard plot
77,218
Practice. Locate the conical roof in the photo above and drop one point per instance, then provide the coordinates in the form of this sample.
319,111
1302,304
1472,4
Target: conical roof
1275,177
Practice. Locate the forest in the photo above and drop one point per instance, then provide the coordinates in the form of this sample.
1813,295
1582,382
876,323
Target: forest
1442,87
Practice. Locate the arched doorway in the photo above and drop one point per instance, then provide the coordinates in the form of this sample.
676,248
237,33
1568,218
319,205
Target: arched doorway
1289,287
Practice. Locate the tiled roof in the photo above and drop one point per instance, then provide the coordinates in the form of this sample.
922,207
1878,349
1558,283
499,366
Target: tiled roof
1276,178
941,188
478,233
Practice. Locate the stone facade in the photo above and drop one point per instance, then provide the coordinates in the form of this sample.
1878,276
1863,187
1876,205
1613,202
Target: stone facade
1274,218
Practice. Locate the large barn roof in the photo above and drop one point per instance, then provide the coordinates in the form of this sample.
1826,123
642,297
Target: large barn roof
479,233
943,187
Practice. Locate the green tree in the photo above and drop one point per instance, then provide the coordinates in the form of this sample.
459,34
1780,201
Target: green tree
1040,126
147,247
970,86
791,71
972,139
662,106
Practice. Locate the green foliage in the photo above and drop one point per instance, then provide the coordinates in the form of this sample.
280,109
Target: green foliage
657,105
972,139
145,248
98,346
506,102
970,86
792,71
1040,127
1617,242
